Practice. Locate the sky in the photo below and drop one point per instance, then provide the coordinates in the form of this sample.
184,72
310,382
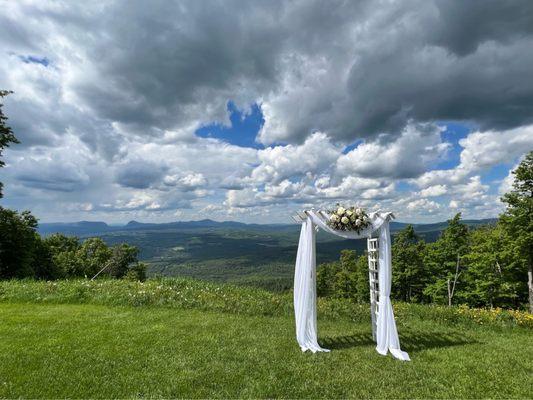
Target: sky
252,110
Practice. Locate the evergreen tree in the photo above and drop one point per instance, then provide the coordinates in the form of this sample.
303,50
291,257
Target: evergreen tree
518,217
493,275
325,278
408,270
444,260
362,285
345,279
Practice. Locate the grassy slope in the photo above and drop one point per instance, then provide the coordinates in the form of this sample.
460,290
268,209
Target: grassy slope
70,350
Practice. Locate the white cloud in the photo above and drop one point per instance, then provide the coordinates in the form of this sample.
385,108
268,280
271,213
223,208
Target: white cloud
507,183
433,191
404,157
187,182
483,150
277,163
423,205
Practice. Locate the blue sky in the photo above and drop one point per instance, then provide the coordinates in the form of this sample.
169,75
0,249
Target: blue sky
252,111
243,127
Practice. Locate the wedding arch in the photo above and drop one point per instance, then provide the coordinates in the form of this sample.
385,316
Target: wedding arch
384,330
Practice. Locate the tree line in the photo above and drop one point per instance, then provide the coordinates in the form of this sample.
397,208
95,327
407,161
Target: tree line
25,254
490,266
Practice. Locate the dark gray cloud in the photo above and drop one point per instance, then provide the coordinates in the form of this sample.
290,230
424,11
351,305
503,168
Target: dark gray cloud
48,175
465,61
463,26
352,69
139,174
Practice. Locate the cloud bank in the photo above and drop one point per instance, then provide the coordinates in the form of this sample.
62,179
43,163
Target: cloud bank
357,100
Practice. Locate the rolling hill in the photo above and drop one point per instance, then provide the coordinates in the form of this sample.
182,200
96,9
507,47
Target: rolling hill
249,254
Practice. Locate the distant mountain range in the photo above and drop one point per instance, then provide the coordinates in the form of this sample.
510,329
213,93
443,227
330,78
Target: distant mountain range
251,254
84,228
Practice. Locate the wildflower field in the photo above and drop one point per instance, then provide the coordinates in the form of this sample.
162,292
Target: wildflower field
185,338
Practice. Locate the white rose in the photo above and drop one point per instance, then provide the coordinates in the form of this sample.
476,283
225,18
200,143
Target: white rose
358,211
345,220
340,210
348,213
358,222
334,217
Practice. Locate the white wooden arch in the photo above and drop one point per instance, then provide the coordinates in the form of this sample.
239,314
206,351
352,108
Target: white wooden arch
384,330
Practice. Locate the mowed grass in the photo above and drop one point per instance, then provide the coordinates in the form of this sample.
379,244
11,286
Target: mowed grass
100,351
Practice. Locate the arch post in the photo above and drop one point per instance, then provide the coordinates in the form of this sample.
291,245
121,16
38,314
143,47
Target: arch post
373,280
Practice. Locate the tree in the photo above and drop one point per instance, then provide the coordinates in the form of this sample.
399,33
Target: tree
74,259
345,282
17,244
346,278
123,255
63,250
137,272
92,255
362,285
518,217
444,258
325,278
6,134
494,271
408,272
43,264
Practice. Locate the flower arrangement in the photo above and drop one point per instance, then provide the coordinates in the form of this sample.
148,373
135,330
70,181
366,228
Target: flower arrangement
348,219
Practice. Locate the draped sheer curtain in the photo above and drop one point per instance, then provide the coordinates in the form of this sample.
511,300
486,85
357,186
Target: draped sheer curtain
305,283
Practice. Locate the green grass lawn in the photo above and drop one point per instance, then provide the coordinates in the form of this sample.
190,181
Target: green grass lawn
97,351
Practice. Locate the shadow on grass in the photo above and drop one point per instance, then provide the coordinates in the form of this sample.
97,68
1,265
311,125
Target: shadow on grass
410,341
346,342
417,341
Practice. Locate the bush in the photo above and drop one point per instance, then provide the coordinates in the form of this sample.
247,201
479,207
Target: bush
136,273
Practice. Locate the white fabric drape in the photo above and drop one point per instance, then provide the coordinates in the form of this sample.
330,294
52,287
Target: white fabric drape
305,283
386,332
305,290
